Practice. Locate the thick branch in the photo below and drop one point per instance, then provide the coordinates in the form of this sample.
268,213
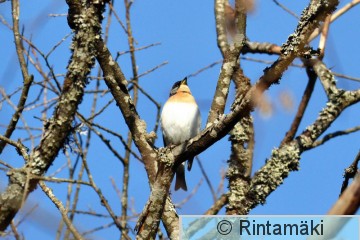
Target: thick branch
286,158
115,80
222,40
349,201
326,77
230,63
230,53
240,162
85,20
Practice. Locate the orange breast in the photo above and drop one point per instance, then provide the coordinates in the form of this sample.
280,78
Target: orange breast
182,97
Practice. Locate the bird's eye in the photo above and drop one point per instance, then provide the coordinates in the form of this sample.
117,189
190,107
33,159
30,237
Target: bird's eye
174,88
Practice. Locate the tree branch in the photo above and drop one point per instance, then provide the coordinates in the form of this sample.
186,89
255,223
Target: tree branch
302,106
286,158
58,127
28,79
349,201
62,210
350,172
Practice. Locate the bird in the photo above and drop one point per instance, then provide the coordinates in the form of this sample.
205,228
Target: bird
180,121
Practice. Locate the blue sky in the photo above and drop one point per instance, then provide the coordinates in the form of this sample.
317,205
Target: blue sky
187,35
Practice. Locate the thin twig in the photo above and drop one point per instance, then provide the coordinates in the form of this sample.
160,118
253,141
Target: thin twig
117,190
334,16
206,178
191,194
125,177
91,213
10,95
330,136
152,69
350,172
98,228
118,19
28,79
118,54
204,68
20,116
102,137
104,201
286,9
120,138
59,180
6,164
302,106
17,36
62,210
18,145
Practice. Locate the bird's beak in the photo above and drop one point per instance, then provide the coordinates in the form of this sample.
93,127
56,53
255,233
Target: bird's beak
184,81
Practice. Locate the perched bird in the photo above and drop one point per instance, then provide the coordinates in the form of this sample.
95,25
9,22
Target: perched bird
180,121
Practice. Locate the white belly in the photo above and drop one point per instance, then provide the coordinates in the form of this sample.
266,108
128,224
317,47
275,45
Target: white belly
180,122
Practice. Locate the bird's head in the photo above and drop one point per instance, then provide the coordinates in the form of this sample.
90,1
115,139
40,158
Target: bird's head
180,86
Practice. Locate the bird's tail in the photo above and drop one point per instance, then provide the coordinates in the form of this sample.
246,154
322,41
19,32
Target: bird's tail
189,163
180,181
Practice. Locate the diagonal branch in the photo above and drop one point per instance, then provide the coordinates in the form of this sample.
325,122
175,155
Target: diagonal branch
15,7
28,79
116,82
327,79
85,19
230,52
349,201
222,40
302,107
286,158
332,135
62,210
350,172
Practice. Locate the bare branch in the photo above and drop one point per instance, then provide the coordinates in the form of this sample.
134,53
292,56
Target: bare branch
62,210
59,126
330,136
349,201
28,79
335,16
286,9
221,26
302,106
350,172
19,47
324,36
19,146
213,193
